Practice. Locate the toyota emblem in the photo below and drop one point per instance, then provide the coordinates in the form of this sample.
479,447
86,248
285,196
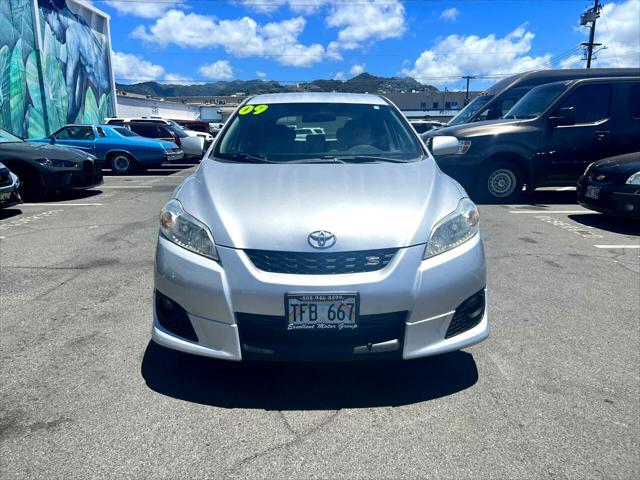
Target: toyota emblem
321,239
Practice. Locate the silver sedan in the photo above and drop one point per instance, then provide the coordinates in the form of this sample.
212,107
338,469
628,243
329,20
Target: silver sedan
344,243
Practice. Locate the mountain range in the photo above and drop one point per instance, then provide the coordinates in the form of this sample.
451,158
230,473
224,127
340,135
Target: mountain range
363,83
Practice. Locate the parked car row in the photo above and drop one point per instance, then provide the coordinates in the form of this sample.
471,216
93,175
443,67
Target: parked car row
547,138
193,146
116,146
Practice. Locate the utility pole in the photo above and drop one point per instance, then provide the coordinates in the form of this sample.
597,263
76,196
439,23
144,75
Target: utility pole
590,16
466,97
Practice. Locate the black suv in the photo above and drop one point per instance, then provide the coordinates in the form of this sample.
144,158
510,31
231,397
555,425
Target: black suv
548,138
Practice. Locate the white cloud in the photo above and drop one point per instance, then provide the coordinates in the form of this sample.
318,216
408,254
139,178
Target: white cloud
242,37
220,70
450,14
177,79
364,21
129,68
299,6
618,28
261,75
357,69
144,9
458,55
338,76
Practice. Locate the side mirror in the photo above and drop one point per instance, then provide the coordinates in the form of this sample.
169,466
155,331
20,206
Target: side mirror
52,140
444,145
563,117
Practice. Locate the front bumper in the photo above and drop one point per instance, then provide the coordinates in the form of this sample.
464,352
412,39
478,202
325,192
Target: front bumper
215,295
618,200
9,195
174,156
89,176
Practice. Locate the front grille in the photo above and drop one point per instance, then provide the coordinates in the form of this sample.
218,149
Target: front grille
311,263
270,333
90,175
606,178
5,178
467,315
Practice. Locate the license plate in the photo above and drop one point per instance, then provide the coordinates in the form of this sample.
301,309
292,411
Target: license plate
330,311
5,195
592,192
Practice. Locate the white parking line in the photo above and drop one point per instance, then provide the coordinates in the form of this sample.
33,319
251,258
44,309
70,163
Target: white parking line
565,189
617,246
125,186
551,211
59,205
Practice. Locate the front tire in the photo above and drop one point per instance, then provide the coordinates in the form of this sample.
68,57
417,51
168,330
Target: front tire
122,164
500,182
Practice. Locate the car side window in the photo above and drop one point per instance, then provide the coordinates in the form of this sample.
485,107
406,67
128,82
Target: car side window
590,103
62,134
164,132
634,100
146,130
101,133
85,133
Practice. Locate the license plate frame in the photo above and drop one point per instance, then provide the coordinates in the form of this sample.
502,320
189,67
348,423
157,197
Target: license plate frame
325,301
592,191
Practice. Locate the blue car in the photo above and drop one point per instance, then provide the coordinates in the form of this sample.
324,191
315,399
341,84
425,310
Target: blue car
117,147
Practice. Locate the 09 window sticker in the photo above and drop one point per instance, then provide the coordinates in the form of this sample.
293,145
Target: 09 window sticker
255,109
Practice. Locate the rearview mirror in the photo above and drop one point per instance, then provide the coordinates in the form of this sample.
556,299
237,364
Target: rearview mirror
444,145
563,117
52,140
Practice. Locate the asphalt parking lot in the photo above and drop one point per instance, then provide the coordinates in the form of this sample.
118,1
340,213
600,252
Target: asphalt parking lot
554,392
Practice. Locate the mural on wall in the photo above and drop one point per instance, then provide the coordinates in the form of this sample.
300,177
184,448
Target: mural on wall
76,56
21,108
68,81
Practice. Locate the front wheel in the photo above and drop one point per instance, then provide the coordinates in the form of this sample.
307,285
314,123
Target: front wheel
122,164
500,182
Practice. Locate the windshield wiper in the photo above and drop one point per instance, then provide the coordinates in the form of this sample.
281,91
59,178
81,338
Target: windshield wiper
244,157
368,158
323,159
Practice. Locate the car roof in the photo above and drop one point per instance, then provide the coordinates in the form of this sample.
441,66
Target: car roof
317,97
575,81
138,119
559,74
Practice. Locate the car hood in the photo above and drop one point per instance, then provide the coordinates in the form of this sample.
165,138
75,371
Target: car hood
622,164
476,129
276,207
33,151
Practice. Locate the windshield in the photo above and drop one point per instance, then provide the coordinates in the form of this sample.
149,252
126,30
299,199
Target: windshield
284,132
536,101
6,137
464,116
124,132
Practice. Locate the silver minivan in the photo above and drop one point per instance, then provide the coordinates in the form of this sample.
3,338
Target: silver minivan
347,242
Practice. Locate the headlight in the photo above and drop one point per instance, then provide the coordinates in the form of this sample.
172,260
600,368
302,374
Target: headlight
454,229
179,227
633,179
56,163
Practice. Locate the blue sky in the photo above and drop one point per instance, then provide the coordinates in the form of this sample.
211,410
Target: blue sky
188,41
